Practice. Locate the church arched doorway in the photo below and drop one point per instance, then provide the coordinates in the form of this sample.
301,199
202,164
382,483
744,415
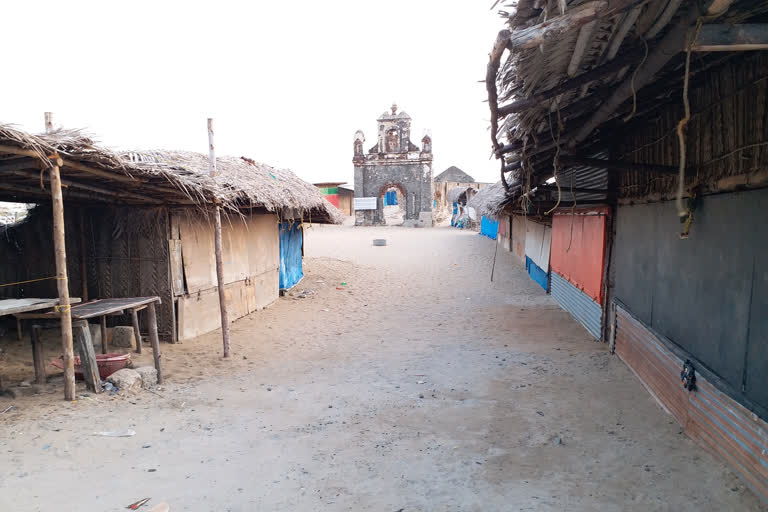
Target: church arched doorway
393,204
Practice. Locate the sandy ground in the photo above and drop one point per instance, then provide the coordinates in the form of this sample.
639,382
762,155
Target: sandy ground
418,386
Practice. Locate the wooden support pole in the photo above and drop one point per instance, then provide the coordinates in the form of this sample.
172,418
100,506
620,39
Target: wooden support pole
19,329
87,356
59,244
218,249
103,323
136,330
154,340
37,355
83,259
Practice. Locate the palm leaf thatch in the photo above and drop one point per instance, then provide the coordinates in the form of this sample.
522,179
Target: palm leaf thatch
157,176
490,201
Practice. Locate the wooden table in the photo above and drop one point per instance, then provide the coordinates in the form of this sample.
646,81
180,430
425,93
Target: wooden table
102,308
18,307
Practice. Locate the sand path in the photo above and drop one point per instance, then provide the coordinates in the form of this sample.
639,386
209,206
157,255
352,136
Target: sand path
418,386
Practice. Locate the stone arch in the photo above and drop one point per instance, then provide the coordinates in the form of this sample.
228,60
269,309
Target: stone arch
402,192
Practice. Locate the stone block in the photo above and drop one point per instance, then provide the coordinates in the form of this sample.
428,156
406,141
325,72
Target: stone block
148,376
122,336
126,380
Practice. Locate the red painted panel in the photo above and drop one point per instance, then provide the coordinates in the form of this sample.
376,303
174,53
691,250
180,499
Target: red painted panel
582,264
333,199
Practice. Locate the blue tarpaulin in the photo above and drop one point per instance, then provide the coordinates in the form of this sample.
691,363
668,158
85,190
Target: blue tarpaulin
489,228
291,241
536,273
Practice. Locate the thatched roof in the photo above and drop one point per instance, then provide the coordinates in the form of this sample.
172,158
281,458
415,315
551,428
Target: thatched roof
490,201
564,75
158,177
458,194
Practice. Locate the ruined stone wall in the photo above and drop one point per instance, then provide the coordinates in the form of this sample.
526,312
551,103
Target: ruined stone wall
412,179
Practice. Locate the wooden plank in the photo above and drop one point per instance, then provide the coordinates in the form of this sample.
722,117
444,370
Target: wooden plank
732,38
37,355
87,356
103,323
103,307
177,267
15,306
155,341
136,330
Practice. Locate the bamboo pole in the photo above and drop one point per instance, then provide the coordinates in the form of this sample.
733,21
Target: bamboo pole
217,248
60,250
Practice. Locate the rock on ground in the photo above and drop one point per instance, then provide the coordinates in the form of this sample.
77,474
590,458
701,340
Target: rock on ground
148,376
126,379
122,336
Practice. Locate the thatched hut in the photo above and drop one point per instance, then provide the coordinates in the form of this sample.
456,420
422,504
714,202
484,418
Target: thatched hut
139,223
637,130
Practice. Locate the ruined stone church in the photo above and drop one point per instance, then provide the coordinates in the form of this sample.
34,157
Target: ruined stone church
394,162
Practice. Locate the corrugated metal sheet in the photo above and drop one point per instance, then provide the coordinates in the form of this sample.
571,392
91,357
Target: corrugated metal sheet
538,240
725,428
583,177
585,310
578,249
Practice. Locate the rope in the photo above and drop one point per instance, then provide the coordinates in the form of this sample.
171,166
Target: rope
632,82
32,281
681,210
556,158
62,308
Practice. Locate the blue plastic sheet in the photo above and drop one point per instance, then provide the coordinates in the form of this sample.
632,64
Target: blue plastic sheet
291,241
489,228
536,273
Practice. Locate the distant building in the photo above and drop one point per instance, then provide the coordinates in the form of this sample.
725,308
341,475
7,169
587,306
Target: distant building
452,189
337,195
394,163
455,174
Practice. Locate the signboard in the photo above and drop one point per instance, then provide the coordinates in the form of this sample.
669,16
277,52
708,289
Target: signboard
365,203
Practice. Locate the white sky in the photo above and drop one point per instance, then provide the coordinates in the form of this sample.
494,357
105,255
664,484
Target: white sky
288,83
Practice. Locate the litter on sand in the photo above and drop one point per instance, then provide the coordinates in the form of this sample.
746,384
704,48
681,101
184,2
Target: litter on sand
6,410
136,505
116,433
